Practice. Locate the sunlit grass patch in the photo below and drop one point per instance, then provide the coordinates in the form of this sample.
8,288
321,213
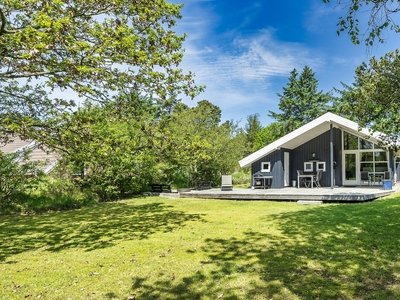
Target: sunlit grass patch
155,248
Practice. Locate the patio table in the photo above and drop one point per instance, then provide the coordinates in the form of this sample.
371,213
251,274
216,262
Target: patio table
262,181
311,176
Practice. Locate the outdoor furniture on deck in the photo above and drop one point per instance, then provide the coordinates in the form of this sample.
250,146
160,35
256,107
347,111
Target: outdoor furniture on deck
160,188
262,181
308,178
365,177
226,183
303,179
317,178
202,185
376,177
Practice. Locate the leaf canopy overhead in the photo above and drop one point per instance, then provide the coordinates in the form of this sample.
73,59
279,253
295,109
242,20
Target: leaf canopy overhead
51,52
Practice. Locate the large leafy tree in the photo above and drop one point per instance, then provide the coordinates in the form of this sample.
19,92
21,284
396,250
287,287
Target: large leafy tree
53,52
380,19
118,145
300,102
373,99
201,147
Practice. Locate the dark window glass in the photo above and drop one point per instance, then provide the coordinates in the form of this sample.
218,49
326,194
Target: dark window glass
350,141
366,144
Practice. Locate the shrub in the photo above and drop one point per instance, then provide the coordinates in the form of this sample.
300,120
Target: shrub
17,174
55,194
241,177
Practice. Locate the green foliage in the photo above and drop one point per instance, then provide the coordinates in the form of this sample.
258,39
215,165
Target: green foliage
300,101
117,143
241,178
17,174
373,99
252,129
53,193
380,19
86,49
201,147
268,134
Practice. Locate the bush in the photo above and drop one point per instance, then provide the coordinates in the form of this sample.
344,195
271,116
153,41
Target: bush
51,194
241,177
17,174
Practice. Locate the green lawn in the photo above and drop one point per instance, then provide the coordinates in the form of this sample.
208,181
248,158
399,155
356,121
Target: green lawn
157,248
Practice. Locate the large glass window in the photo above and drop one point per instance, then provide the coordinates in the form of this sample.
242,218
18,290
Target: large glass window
350,141
366,144
380,156
367,156
372,159
367,167
381,167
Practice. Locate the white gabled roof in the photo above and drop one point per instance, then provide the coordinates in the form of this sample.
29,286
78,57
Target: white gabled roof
308,132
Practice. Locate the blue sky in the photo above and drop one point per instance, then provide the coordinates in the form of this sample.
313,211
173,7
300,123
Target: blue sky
244,51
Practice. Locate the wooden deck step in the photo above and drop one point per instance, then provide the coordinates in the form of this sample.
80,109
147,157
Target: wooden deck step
309,202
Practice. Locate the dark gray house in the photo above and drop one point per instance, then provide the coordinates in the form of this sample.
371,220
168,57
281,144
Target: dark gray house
330,143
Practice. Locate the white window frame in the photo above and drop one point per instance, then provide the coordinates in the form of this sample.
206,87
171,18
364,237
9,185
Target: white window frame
321,165
266,167
308,166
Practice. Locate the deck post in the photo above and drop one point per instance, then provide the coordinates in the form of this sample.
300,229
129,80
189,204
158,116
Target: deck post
331,154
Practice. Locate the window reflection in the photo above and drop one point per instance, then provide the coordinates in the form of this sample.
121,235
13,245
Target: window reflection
366,144
350,141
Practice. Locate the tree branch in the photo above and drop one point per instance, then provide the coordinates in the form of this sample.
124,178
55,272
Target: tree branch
9,75
3,22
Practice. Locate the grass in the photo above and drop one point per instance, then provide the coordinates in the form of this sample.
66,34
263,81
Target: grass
156,248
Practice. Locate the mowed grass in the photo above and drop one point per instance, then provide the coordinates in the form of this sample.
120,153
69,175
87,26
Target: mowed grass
157,248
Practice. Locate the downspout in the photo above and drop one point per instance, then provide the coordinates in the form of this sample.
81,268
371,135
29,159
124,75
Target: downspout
331,153
394,171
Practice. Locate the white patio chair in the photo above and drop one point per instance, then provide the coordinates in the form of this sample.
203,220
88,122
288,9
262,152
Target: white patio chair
226,183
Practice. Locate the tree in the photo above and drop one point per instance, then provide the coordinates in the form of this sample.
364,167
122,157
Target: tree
52,52
380,19
119,144
268,134
252,128
200,147
373,99
300,101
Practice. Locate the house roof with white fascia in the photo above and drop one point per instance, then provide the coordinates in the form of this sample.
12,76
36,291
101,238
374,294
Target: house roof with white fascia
49,158
308,132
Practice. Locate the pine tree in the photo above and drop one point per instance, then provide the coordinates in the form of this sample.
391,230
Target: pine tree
252,128
300,101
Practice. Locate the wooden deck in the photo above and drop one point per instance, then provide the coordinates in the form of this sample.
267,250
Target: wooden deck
302,195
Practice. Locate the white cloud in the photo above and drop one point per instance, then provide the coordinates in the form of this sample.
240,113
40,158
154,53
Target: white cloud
241,72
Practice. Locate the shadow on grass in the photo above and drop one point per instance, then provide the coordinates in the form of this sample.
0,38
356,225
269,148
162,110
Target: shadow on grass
89,228
326,252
